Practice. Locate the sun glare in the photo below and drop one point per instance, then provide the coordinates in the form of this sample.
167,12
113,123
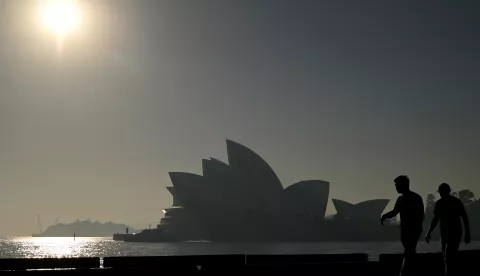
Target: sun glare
62,17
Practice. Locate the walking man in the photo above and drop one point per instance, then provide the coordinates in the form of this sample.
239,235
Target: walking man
410,207
449,210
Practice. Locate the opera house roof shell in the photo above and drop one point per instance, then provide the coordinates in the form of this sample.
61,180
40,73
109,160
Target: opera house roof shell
247,184
370,209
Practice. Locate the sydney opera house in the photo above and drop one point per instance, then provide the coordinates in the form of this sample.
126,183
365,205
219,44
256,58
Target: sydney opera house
244,200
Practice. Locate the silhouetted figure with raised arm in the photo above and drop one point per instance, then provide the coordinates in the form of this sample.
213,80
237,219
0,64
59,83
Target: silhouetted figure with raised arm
449,210
410,207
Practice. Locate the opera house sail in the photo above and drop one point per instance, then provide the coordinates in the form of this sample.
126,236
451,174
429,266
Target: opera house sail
366,210
245,200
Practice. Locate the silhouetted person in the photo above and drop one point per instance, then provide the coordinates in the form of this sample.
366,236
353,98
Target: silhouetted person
410,207
449,210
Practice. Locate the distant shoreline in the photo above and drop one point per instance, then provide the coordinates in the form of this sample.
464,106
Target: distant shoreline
222,242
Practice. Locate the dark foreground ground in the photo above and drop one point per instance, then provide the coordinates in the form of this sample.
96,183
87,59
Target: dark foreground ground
323,264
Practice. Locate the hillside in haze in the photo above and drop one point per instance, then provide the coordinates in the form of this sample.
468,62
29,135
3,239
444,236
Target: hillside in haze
85,229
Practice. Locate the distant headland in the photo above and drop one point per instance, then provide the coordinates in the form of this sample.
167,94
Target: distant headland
85,228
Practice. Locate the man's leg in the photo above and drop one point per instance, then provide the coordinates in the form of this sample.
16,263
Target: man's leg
444,246
404,240
451,250
409,242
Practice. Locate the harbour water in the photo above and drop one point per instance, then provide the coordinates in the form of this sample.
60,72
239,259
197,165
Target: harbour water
28,247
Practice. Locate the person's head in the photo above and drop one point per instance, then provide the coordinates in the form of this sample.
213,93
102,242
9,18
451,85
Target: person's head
444,190
402,184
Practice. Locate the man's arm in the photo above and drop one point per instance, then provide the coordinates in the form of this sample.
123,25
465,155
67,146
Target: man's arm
392,213
466,224
433,224
423,209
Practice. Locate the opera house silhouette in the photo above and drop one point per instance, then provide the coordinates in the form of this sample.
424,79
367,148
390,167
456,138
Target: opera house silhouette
244,200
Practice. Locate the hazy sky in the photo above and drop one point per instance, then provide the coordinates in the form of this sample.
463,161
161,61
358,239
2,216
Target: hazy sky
352,92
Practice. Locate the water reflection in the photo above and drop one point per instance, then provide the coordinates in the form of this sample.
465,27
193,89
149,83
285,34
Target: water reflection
28,247
101,247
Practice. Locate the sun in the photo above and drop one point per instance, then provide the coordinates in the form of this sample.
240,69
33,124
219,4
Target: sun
61,17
